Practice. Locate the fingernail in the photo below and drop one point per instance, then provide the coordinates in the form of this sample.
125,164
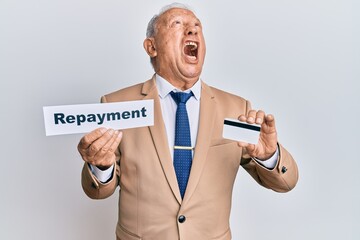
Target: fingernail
258,120
111,131
250,119
103,130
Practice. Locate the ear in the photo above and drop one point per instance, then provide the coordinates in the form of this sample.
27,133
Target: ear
149,47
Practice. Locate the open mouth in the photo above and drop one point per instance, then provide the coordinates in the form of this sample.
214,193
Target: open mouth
191,49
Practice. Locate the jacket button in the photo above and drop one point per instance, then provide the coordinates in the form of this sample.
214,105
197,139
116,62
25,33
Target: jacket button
283,169
182,218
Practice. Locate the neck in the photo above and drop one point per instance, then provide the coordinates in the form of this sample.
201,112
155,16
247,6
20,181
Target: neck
180,83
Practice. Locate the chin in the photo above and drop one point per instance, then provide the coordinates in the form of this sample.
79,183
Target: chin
195,74
192,72
192,75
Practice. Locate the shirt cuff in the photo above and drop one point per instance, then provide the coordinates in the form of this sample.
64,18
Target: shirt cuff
102,175
271,162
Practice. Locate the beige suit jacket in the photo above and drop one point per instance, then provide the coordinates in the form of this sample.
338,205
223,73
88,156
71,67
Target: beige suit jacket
149,198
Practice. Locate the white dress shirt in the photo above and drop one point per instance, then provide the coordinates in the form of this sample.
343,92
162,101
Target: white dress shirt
168,109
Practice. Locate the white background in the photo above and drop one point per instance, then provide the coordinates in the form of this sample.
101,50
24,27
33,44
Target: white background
296,59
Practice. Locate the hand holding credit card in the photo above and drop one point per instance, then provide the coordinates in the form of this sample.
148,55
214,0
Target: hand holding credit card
241,131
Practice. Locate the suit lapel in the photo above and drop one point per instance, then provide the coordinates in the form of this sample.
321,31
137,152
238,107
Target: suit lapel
158,134
207,116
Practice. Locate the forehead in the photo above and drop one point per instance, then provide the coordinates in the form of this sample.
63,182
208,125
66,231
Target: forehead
175,13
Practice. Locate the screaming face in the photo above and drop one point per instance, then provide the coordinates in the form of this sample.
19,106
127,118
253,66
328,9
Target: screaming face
178,47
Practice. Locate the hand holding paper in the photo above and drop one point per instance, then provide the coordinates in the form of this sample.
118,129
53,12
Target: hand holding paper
267,143
99,147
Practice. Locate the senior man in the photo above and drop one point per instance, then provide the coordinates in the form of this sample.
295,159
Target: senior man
176,178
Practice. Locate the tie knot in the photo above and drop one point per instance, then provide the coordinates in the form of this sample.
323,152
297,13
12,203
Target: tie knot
181,97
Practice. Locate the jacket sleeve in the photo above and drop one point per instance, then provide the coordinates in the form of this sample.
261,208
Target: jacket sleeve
282,178
96,189
92,186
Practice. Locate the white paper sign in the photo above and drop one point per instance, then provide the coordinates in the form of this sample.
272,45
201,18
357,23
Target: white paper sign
83,118
240,131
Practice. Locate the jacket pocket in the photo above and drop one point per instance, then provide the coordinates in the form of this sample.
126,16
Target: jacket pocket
124,234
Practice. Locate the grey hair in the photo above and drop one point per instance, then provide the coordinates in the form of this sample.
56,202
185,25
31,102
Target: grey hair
150,31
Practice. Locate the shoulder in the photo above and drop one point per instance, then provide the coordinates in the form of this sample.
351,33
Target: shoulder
224,96
127,94
227,103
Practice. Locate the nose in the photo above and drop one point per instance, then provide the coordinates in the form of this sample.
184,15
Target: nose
191,30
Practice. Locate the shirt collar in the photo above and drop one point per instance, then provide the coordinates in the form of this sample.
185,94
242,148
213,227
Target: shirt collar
164,88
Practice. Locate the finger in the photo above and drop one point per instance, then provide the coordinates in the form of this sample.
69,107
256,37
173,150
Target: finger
260,117
116,142
96,146
242,118
250,148
109,157
243,144
270,120
89,138
110,146
251,116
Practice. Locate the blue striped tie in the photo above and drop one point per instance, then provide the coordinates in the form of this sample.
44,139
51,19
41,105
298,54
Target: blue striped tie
182,145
